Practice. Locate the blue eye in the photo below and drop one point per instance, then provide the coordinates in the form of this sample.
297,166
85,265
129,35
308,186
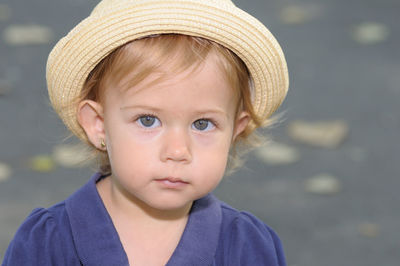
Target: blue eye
148,121
203,125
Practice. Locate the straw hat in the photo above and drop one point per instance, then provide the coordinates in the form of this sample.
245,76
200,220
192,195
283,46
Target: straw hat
116,22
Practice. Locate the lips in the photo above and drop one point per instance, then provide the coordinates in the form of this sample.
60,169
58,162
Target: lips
172,182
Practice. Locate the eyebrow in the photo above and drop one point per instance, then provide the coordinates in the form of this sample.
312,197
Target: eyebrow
157,110
212,111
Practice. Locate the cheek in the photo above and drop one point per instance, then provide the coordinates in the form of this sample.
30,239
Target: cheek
212,158
210,172
127,152
130,154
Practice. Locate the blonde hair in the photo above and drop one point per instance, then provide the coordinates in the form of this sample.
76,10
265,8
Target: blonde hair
148,55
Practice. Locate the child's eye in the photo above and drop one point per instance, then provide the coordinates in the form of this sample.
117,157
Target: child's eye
148,121
203,125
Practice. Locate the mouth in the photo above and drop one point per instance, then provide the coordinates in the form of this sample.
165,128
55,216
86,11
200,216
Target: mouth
172,182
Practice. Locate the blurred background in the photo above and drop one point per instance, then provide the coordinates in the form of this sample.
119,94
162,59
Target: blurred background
327,182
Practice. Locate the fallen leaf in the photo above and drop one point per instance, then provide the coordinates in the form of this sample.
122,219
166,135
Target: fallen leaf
5,172
369,230
370,33
326,134
71,156
298,14
277,154
42,163
4,87
5,12
322,184
27,34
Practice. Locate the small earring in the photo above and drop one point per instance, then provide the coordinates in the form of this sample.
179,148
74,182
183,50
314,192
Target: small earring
103,144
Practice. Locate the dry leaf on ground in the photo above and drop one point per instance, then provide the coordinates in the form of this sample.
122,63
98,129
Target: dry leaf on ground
27,34
369,230
42,163
277,154
4,87
370,33
326,134
5,172
71,156
323,184
299,14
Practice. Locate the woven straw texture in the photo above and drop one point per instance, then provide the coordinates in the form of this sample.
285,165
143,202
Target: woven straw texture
116,22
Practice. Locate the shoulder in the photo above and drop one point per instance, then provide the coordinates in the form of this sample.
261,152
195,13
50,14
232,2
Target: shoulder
42,239
248,240
40,224
41,219
243,221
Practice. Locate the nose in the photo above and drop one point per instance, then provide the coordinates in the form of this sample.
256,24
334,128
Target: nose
176,146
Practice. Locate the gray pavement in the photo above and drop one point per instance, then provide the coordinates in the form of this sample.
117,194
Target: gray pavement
344,62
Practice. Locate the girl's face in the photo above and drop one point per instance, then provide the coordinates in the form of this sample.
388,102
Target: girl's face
168,142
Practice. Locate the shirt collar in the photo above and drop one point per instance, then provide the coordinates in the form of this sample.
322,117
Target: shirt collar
199,241
97,241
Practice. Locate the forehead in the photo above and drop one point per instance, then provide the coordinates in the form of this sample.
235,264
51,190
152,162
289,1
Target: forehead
201,81
162,55
159,68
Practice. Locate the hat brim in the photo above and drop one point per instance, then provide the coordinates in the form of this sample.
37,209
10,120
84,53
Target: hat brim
76,55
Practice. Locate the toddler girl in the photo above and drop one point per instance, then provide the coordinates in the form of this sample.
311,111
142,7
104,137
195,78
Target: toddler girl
163,91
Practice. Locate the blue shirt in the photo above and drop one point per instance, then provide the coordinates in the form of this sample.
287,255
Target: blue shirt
79,231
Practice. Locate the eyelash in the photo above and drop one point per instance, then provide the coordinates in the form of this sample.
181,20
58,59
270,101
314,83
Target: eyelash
137,117
208,119
144,114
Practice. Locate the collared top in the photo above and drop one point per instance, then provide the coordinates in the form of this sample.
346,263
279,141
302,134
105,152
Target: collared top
79,231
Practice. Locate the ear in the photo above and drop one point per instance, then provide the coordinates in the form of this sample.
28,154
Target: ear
90,117
241,122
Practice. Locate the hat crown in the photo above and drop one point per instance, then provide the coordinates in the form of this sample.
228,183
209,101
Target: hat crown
104,5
